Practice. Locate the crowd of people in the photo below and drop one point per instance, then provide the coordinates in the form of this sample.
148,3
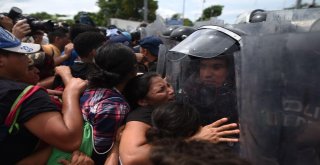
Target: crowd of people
146,104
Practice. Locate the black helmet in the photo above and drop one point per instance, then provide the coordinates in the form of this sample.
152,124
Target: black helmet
209,42
169,29
258,15
181,33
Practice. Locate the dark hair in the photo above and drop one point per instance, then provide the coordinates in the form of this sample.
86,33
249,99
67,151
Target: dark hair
114,62
137,88
4,52
174,120
58,32
76,29
85,42
173,152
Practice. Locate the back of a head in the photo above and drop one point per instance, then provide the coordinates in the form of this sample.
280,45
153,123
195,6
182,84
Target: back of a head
181,33
58,32
76,29
181,152
174,120
114,63
85,42
151,43
258,15
169,29
138,87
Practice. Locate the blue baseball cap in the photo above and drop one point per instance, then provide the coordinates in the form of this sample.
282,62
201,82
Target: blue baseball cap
10,43
120,39
151,43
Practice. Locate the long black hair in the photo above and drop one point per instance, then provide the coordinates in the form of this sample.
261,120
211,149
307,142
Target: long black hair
114,63
138,87
174,120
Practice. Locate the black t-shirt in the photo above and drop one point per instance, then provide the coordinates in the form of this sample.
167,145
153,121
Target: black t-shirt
20,144
142,114
78,70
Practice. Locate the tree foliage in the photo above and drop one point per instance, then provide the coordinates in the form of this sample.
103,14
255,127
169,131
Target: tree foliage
212,11
186,21
127,9
124,9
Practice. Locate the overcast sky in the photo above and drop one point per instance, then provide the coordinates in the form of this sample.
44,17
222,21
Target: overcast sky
193,8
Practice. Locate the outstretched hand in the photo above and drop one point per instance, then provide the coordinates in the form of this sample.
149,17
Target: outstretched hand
216,132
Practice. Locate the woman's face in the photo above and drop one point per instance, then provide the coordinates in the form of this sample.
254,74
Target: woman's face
160,91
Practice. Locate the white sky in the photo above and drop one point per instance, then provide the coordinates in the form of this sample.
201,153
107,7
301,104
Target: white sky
193,8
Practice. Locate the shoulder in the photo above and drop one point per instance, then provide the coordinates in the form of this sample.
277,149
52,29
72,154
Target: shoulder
37,103
141,114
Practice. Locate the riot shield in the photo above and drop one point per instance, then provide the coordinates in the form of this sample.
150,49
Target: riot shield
163,53
301,19
278,98
156,28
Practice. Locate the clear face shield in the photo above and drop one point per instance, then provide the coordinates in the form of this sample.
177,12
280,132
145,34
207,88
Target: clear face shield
201,69
208,42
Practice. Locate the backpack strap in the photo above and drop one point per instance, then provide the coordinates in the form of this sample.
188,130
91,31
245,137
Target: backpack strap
12,117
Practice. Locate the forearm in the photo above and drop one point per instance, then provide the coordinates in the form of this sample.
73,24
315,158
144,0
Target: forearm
47,82
72,115
113,157
59,59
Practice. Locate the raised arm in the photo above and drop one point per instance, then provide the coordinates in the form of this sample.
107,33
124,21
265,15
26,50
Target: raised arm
61,130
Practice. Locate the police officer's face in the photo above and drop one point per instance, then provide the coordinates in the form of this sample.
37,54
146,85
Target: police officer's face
213,72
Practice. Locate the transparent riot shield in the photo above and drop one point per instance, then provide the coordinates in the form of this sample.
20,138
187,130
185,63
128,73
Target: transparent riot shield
278,98
156,28
301,19
163,53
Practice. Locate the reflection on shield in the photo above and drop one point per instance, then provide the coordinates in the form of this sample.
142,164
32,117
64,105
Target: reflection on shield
163,53
278,98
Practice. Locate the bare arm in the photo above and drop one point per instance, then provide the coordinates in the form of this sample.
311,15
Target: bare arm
61,131
47,82
113,156
134,149
59,59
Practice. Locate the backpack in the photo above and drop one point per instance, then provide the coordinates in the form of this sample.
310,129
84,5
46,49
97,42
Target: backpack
10,122
86,147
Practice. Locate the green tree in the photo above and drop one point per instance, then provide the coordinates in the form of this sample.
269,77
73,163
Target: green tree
42,15
212,11
186,21
54,18
96,18
127,9
176,16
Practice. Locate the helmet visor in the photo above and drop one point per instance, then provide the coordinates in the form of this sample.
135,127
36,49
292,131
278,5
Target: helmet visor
205,43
